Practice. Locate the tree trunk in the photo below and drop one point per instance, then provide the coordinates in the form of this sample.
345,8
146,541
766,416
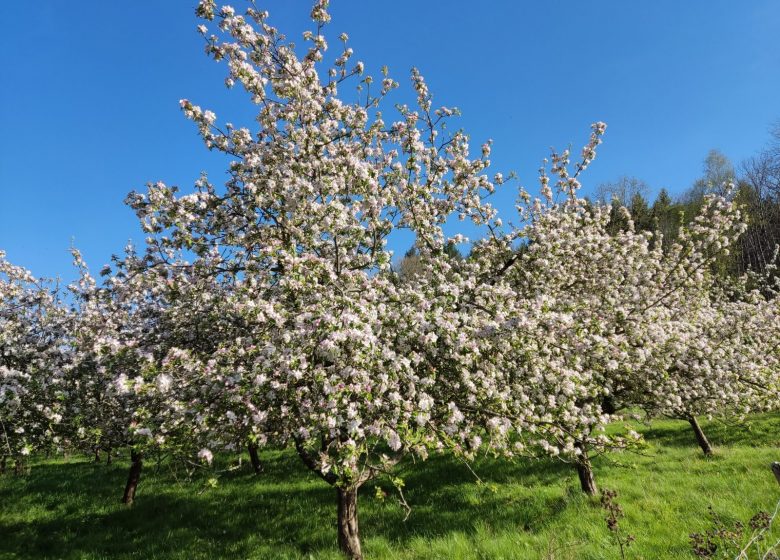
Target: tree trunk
3,463
255,458
585,472
97,454
700,437
349,538
608,405
108,456
133,477
18,467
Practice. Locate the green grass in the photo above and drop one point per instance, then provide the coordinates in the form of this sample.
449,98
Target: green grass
525,509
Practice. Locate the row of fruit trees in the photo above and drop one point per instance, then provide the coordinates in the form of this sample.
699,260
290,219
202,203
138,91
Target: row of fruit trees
267,312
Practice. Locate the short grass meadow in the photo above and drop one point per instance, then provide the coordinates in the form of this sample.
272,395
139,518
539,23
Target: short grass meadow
523,509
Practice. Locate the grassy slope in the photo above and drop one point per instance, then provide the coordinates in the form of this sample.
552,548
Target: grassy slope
523,510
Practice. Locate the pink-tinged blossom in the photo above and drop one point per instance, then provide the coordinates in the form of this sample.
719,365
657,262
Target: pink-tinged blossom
206,456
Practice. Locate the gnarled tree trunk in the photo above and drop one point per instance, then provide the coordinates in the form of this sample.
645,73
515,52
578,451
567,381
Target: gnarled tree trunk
97,454
349,536
255,458
133,477
700,437
585,473
346,497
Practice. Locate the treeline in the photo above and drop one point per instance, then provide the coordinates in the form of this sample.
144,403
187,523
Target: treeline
755,187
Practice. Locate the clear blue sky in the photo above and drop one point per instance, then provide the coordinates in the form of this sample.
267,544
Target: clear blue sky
89,95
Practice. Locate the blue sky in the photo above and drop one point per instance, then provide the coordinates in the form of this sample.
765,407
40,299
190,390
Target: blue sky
89,97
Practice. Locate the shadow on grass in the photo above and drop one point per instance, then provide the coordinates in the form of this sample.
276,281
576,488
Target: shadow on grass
72,510
445,496
759,431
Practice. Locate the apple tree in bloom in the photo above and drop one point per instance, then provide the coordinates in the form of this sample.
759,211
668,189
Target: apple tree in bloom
334,356
720,343
33,363
561,287
603,320
98,413
128,335
113,341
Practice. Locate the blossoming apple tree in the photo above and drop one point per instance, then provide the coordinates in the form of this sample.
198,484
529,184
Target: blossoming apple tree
337,358
604,320
720,346
112,338
33,363
132,387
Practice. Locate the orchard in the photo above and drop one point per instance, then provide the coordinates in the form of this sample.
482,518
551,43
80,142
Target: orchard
265,312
